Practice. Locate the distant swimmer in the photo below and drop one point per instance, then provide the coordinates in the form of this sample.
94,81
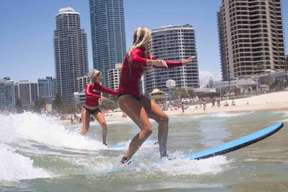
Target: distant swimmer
91,107
137,106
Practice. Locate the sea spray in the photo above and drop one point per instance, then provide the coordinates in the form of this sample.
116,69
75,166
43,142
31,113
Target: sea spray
16,167
44,129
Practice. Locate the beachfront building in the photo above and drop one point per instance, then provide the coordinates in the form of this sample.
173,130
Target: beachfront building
79,99
272,81
7,94
71,60
286,63
47,88
114,76
236,87
79,95
170,43
108,34
251,37
81,82
26,93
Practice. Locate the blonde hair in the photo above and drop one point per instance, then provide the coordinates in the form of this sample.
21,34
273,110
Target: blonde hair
93,74
142,38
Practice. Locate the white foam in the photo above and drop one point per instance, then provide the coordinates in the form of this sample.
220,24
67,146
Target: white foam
94,166
150,143
227,115
284,113
16,167
175,167
181,166
44,129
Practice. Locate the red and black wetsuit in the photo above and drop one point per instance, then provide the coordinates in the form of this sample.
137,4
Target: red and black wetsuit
93,94
132,70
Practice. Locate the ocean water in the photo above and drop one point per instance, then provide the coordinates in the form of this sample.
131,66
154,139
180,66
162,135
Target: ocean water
38,153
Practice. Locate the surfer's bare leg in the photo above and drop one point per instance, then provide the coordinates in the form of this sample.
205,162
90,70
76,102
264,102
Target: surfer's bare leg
133,108
155,112
101,120
85,117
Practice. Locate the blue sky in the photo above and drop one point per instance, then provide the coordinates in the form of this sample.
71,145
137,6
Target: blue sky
26,32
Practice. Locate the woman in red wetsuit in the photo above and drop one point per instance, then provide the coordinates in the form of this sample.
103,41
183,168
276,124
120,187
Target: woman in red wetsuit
139,107
91,107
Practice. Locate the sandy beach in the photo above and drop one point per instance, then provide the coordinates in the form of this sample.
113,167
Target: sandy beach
276,101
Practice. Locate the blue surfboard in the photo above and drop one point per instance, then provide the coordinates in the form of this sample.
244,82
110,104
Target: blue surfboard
237,143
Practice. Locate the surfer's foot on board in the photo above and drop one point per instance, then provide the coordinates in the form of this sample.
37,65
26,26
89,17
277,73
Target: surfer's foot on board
125,161
167,158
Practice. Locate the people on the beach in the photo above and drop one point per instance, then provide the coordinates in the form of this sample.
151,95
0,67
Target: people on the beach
93,92
182,106
204,106
218,101
137,106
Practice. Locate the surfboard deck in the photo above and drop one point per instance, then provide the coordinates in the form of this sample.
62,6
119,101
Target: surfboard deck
237,143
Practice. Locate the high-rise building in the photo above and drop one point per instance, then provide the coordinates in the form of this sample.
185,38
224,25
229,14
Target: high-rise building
108,34
173,43
26,92
114,76
81,82
47,88
7,94
251,37
70,42
286,65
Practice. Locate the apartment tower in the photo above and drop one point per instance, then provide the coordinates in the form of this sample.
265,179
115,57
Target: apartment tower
251,37
70,42
108,34
173,43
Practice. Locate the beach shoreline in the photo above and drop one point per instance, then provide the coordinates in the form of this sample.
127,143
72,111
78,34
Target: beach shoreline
275,101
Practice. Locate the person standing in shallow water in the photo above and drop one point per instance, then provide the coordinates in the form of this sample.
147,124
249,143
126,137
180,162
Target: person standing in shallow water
139,107
91,107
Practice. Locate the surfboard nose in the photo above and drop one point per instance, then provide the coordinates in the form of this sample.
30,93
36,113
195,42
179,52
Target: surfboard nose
238,143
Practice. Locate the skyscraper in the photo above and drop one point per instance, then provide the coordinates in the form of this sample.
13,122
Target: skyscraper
7,94
108,34
26,92
70,42
114,76
81,82
286,63
173,43
47,88
251,37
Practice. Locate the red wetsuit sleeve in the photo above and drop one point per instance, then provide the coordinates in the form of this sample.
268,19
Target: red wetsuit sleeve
108,90
173,63
170,63
89,91
137,56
